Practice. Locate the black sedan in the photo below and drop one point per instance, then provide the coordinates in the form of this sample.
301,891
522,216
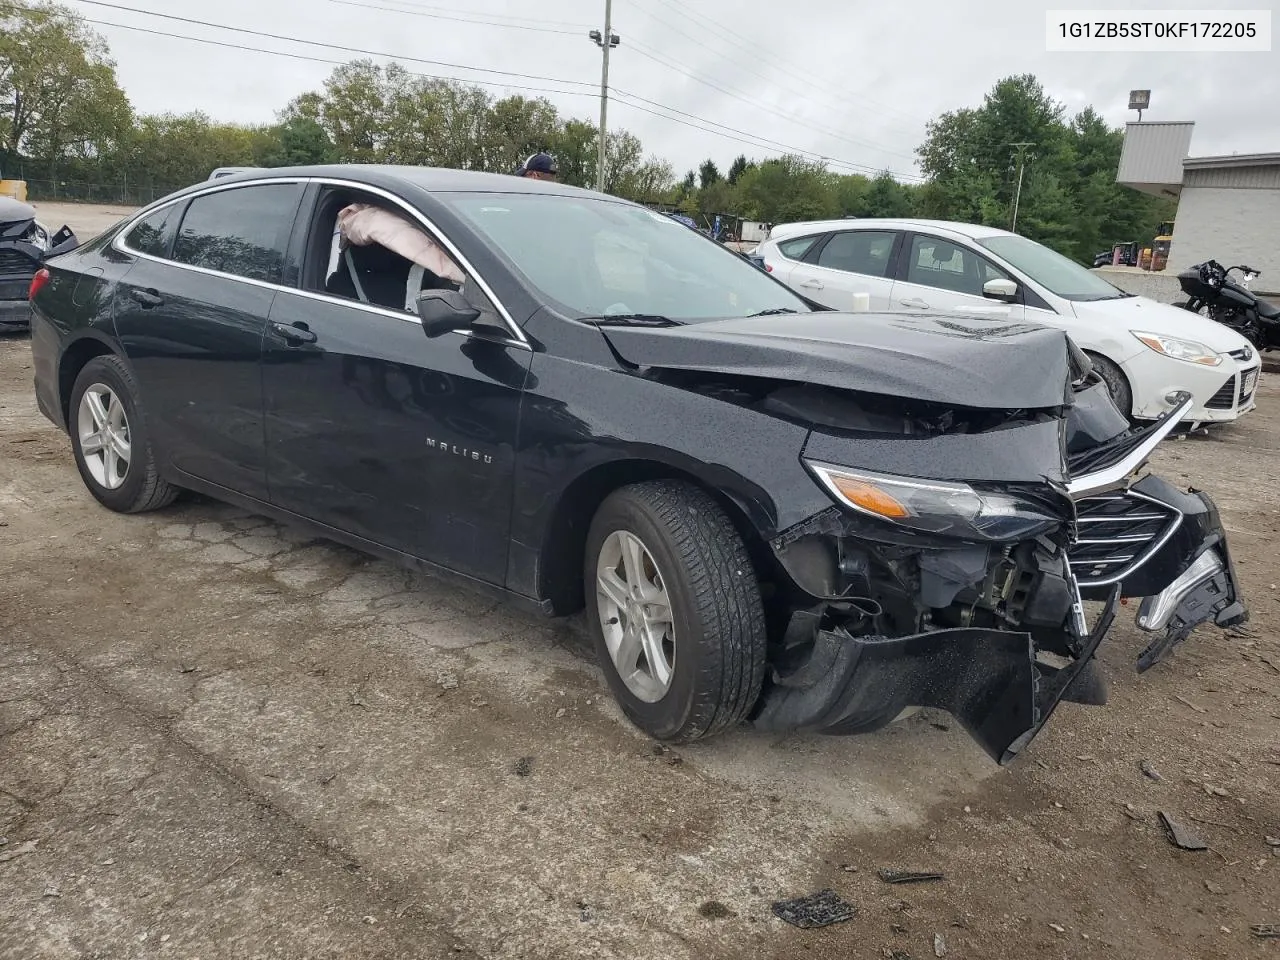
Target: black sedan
772,512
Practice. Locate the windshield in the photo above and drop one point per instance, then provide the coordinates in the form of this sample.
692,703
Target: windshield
601,258
1051,270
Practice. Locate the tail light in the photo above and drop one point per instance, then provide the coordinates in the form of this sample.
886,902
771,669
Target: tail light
38,283
768,267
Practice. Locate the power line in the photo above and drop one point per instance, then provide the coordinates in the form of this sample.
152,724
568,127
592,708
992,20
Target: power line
754,141
457,19
700,124
644,51
331,46
324,60
763,53
540,21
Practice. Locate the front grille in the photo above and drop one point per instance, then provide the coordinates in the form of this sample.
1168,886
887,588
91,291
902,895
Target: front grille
1225,398
13,261
1116,534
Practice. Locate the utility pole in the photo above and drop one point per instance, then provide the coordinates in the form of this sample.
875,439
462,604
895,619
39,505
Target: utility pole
605,41
1022,159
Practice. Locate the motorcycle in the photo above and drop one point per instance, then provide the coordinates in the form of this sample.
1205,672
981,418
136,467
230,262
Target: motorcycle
1210,287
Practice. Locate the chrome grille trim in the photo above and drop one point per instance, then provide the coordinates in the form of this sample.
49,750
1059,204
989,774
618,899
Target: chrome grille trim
1132,546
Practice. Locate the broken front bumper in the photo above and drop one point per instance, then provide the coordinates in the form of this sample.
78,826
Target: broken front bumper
1152,540
991,681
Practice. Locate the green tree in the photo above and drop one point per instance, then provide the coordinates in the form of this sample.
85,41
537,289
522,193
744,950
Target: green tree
59,85
737,169
298,142
708,174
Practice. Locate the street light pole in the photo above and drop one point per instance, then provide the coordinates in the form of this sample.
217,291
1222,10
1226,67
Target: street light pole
605,41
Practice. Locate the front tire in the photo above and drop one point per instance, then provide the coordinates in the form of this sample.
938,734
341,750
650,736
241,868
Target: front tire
675,610
110,440
1117,384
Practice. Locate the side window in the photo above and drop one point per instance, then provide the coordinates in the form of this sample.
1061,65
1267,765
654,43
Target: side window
934,262
152,235
243,231
797,247
858,251
368,251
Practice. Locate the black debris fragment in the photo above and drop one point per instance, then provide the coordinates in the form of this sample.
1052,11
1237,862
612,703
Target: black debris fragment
523,767
715,910
1150,772
819,910
1180,836
1266,931
908,876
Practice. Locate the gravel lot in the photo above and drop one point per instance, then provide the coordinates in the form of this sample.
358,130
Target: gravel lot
221,738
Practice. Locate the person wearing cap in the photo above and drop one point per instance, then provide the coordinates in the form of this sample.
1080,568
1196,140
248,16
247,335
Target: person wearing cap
540,166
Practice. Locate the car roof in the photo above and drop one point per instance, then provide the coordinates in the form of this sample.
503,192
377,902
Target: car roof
430,179
971,230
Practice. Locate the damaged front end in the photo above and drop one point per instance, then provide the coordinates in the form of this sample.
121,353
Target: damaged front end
970,596
25,243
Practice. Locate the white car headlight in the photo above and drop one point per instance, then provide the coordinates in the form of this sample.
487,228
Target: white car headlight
1188,350
938,507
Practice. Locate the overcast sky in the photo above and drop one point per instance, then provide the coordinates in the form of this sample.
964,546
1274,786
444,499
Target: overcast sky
854,82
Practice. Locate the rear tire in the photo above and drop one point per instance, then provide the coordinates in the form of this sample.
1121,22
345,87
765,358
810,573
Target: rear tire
699,669
1117,384
111,442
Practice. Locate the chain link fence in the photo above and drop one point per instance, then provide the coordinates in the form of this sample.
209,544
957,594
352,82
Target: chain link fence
88,191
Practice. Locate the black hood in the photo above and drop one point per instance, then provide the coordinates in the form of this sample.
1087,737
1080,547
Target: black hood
960,361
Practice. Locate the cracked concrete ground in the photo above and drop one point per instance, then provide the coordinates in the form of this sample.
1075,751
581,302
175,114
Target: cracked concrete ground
220,737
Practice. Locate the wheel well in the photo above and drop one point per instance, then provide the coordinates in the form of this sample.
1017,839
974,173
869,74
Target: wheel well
73,361
1094,356
565,541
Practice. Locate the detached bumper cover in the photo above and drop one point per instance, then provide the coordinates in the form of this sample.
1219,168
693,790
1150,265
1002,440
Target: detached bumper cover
991,681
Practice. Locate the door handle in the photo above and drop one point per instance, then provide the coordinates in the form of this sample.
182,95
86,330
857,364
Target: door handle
915,303
295,332
811,284
147,298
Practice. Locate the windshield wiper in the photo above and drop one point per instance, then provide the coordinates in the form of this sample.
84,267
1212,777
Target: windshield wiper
773,311
633,320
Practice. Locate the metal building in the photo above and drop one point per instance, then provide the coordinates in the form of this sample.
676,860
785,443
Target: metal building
1228,207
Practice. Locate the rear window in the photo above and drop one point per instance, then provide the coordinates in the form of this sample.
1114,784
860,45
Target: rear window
797,247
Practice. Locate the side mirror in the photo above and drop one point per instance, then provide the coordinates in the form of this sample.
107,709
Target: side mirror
444,310
1005,291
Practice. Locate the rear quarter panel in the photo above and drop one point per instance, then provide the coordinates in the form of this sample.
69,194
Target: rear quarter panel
72,319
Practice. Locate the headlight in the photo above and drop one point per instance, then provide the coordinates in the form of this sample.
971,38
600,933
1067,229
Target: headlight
938,507
1188,350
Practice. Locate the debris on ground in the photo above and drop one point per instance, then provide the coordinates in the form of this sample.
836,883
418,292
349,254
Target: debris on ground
889,954
817,910
715,910
908,876
447,680
1057,928
1273,841
1133,814
849,867
1266,931
19,850
1150,772
523,767
939,945
1215,791
51,891
1212,887
1180,836
1185,702
560,713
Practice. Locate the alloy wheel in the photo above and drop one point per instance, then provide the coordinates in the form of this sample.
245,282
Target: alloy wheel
635,616
103,429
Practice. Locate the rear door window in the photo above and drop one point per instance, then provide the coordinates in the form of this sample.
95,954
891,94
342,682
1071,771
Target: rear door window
154,234
797,247
243,232
866,252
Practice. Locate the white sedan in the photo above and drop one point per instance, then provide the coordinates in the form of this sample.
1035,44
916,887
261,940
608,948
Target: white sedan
1144,350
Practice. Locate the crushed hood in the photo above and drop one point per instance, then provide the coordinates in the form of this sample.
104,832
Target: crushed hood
960,361
15,217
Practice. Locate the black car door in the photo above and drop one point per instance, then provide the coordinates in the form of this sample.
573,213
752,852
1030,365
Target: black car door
379,431
191,313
